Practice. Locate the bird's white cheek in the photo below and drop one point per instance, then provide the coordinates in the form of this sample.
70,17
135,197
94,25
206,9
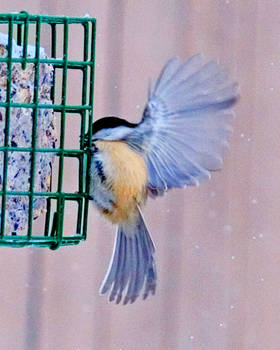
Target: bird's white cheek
112,134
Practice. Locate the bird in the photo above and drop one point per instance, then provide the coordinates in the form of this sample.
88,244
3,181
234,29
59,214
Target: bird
180,140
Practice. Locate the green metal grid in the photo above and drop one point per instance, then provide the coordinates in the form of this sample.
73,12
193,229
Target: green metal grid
52,234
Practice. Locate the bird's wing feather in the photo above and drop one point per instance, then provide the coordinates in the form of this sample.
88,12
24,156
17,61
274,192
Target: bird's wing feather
185,126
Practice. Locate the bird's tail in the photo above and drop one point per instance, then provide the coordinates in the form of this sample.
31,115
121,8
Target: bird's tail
132,267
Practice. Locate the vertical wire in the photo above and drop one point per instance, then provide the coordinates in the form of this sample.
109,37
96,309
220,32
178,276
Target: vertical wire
25,41
19,34
7,125
53,50
53,55
85,83
91,95
34,127
79,218
83,158
60,202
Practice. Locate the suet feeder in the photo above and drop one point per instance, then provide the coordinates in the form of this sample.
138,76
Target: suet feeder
33,128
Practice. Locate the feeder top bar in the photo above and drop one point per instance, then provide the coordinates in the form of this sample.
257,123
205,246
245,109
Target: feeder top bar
20,17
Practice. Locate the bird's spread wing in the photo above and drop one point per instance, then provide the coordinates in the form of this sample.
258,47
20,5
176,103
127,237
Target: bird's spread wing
185,125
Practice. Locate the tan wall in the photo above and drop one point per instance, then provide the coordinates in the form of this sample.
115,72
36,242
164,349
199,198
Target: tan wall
218,246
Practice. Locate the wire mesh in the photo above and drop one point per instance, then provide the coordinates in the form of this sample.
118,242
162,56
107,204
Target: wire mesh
19,24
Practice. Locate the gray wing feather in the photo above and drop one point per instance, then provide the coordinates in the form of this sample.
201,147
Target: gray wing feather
186,123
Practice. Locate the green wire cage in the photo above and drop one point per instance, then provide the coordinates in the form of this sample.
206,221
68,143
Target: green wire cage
22,202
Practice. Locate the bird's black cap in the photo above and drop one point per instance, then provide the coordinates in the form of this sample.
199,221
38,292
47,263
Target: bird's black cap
110,122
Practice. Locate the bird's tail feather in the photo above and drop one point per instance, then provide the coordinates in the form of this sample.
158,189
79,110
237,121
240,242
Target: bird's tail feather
132,267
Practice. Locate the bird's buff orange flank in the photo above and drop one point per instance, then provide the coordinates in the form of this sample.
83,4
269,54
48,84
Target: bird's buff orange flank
127,176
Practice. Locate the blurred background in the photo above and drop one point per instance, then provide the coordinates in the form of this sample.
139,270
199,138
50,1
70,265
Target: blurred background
218,246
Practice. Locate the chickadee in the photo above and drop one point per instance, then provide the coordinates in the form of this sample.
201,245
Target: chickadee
179,141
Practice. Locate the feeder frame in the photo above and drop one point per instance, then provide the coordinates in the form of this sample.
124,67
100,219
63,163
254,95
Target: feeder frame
52,235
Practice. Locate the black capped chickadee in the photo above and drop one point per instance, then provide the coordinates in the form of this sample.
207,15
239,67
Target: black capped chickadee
179,141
